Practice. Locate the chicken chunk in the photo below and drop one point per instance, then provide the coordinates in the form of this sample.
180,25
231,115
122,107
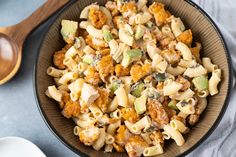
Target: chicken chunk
71,109
186,84
122,135
149,79
193,119
170,112
118,148
113,120
165,42
65,99
156,7
179,118
173,57
137,71
129,114
89,41
157,112
58,58
162,16
84,107
135,146
160,86
159,12
196,52
105,67
104,52
186,37
92,76
129,7
97,18
89,135
89,94
119,21
121,71
100,43
157,137
102,100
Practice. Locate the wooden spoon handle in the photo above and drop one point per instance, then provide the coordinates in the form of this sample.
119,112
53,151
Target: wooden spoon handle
21,30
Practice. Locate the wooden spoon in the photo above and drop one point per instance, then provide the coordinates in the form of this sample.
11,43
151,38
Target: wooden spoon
12,38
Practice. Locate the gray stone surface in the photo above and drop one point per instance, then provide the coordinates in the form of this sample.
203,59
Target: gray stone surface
19,115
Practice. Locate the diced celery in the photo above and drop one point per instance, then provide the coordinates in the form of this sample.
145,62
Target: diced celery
139,32
135,53
201,83
137,89
69,30
140,104
107,35
114,86
131,56
172,104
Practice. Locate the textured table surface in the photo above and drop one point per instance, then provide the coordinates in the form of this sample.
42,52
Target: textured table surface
19,115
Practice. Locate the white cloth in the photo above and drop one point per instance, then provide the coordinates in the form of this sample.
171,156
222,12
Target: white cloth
222,142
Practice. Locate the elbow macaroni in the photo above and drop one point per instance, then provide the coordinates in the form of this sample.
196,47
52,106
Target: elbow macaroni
94,32
125,37
101,140
154,150
51,71
174,134
143,123
178,125
183,95
187,106
122,96
141,4
177,26
113,126
195,71
143,18
67,77
176,70
171,87
208,64
185,51
159,63
152,49
214,81
54,93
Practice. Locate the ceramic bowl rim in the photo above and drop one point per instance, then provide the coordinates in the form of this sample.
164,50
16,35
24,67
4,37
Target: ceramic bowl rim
209,132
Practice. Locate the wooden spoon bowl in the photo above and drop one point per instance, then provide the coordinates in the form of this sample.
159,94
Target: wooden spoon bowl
8,56
12,38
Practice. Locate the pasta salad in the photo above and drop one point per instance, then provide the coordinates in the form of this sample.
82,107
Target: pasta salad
131,77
